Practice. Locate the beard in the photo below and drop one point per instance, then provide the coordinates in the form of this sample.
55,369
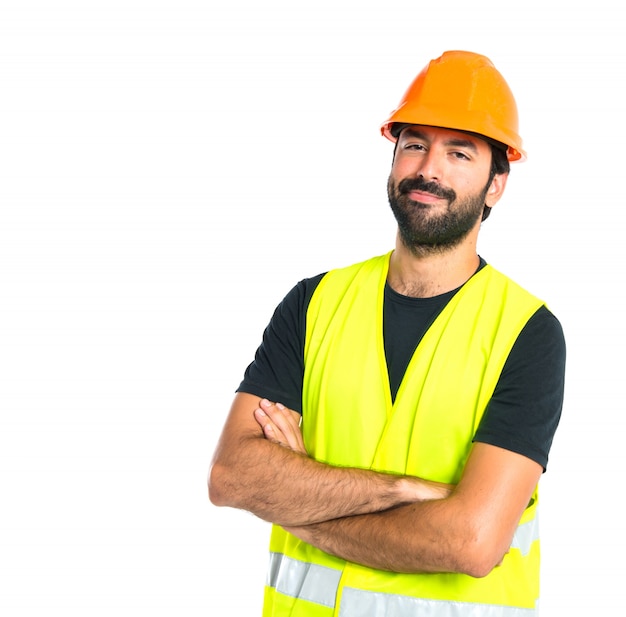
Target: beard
423,231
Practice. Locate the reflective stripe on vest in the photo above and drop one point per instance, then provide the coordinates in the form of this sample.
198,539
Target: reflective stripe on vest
359,603
319,584
525,535
299,579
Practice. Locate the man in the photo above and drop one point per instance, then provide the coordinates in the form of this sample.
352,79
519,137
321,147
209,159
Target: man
429,387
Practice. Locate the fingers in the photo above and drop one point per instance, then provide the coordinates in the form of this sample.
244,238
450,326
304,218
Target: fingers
280,424
270,417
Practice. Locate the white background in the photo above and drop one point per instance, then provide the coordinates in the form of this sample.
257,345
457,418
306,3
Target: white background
168,170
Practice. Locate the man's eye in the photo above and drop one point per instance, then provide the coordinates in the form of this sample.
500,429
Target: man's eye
461,156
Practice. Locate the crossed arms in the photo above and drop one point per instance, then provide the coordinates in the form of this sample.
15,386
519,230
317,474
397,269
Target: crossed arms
384,521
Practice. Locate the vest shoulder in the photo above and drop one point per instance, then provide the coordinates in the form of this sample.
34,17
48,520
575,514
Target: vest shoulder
493,278
359,272
379,261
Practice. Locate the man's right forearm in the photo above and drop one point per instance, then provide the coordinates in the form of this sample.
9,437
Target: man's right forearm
271,475
289,488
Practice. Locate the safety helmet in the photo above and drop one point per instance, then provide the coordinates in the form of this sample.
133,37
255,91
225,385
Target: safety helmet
463,91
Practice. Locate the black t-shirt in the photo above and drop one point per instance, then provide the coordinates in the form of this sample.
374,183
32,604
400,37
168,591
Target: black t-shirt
523,412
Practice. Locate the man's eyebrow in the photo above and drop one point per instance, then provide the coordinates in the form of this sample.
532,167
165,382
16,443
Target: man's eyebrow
462,143
413,132
456,142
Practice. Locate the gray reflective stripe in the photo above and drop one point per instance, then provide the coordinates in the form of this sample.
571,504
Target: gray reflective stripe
319,584
525,535
300,579
359,603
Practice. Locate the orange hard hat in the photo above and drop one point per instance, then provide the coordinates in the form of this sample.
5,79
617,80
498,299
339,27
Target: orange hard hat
464,91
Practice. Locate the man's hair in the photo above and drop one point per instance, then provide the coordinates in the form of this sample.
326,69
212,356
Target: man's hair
499,165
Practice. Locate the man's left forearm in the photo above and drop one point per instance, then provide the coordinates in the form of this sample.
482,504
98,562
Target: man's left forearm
405,539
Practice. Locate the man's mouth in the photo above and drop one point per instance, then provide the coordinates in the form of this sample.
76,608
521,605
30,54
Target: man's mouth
423,197
417,189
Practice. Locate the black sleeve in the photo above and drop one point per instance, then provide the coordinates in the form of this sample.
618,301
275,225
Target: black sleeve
278,368
525,409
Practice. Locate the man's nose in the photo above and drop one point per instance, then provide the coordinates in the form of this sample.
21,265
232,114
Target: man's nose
430,167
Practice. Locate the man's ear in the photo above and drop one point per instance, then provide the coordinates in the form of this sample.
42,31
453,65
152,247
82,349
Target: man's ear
496,189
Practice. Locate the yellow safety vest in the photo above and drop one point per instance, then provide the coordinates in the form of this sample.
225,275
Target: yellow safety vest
349,420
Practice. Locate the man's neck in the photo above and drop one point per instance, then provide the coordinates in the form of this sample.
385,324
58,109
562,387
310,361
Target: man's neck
433,273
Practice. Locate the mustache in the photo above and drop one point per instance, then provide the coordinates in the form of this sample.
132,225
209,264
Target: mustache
419,184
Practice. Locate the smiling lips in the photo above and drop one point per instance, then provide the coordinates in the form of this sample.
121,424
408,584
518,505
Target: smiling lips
418,190
424,197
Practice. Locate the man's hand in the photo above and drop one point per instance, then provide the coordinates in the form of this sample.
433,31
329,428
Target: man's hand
385,521
260,465
280,425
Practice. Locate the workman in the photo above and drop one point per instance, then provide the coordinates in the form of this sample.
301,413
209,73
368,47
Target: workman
398,414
